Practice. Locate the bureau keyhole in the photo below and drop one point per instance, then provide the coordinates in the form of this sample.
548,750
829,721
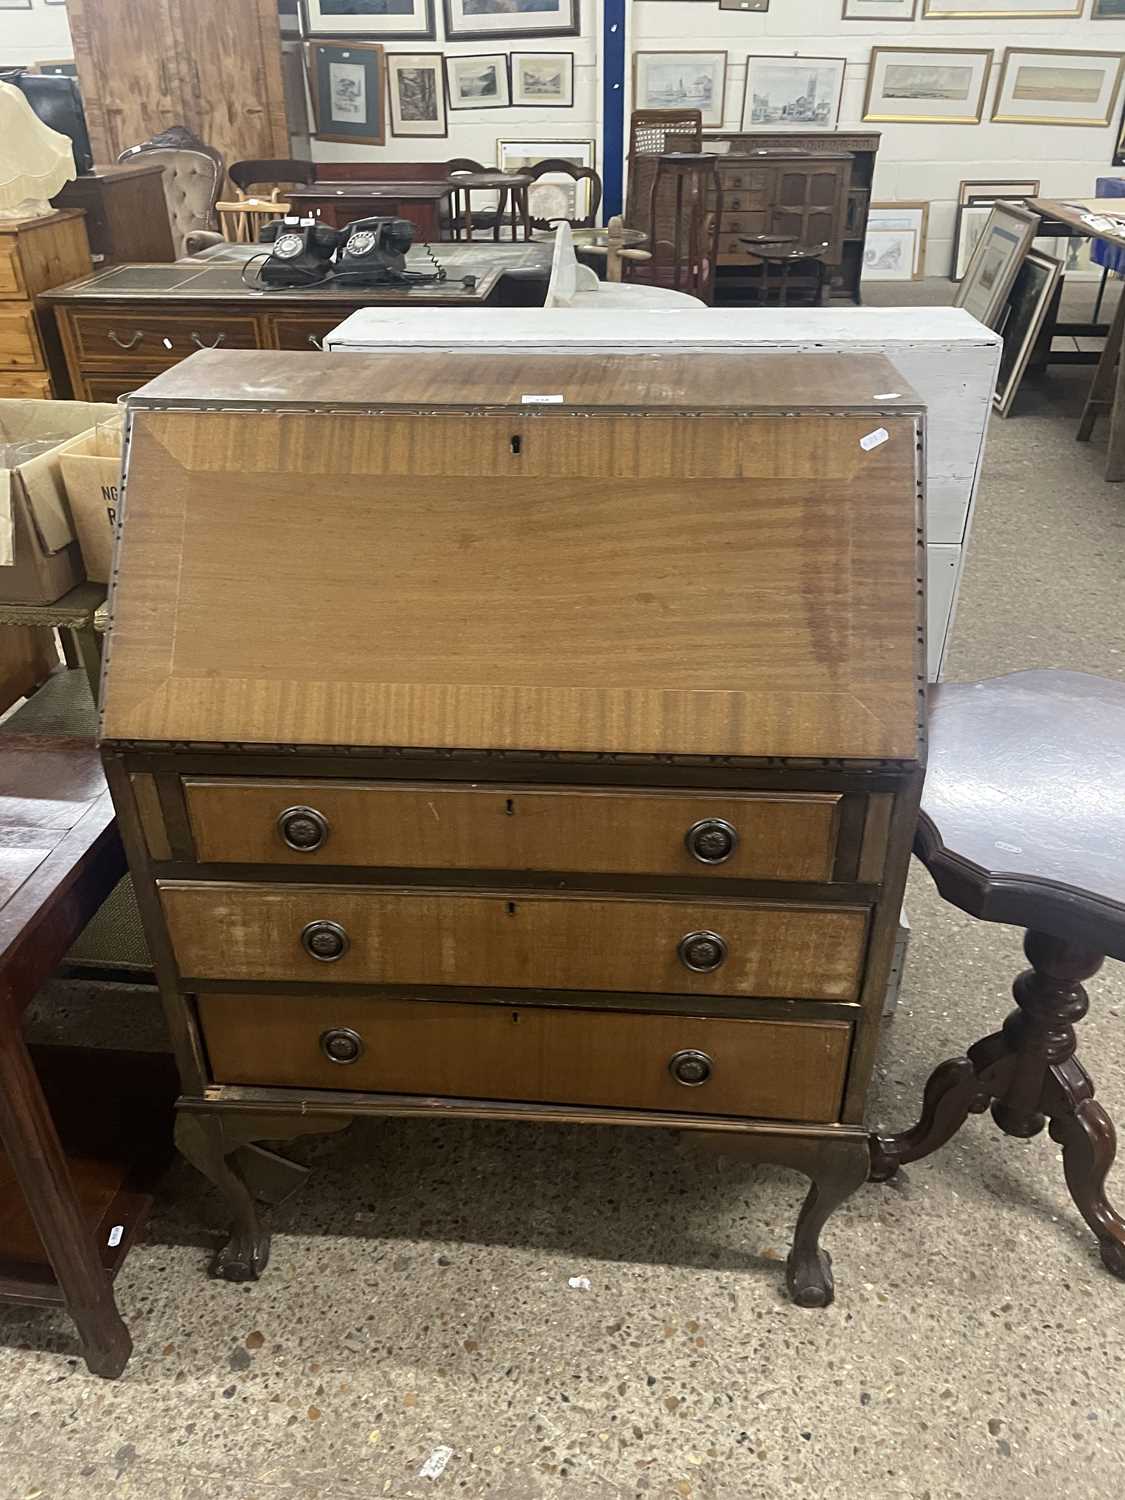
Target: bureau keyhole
509,806
516,443
511,908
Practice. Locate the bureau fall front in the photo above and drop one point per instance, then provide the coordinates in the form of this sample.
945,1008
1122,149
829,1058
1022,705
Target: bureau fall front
520,738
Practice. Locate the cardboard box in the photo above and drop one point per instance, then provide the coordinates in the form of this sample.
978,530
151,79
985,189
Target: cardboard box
39,556
91,468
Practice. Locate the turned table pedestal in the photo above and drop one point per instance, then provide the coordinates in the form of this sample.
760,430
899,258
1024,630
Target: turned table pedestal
1023,821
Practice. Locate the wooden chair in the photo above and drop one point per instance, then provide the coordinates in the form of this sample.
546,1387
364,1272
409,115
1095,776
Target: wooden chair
556,166
651,133
684,209
1023,822
483,218
241,218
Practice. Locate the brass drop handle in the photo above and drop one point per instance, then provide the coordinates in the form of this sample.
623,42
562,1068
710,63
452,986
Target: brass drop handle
326,941
303,828
121,344
315,342
702,952
199,343
341,1044
711,841
690,1068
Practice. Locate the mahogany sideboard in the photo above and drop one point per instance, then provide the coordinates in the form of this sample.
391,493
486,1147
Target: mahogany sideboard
585,790
120,327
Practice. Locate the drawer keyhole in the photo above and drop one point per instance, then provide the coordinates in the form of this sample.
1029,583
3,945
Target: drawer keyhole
516,444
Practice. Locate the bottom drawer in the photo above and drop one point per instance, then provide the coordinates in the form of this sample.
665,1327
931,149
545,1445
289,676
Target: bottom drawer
773,1070
20,383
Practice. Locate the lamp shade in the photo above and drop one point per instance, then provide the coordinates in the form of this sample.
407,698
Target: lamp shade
35,161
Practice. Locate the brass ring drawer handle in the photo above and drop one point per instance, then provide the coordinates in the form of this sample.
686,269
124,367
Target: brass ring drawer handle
702,952
690,1068
303,828
121,344
711,841
343,1045
201,344
326,941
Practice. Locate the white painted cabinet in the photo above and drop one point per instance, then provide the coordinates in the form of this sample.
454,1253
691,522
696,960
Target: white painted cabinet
942,353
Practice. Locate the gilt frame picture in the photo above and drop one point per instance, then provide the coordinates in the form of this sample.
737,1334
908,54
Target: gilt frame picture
927,85
1057,86
995,263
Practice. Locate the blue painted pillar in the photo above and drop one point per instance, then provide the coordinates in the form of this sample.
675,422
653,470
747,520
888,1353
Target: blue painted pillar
613,105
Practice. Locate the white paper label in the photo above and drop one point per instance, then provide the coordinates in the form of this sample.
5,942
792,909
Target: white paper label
434,1467
116,1235
542,400
887,396
873,439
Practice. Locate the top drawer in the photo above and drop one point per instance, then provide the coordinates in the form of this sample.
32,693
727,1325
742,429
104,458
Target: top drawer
155,340
436,826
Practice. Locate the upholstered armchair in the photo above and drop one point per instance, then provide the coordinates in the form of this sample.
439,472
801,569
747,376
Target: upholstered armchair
193,179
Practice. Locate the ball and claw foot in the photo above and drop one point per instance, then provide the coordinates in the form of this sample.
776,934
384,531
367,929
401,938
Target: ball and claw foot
244,1256
809,1279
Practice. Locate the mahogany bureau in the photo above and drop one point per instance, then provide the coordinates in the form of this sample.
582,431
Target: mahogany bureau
532,738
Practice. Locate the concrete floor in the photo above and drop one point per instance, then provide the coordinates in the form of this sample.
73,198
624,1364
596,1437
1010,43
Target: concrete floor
418,1295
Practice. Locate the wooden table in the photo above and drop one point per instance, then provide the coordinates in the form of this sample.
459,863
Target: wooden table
1107,390
121,327
339,203
66,1222
73,617
506,185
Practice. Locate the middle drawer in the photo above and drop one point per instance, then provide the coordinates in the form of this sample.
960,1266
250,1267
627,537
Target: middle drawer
486,939
742,836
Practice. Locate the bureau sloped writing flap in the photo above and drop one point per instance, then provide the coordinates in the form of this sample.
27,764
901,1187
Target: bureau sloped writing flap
575,576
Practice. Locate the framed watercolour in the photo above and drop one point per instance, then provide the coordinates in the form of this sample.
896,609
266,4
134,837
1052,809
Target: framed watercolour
347,86
552,196
901,218
416,93
1004,241
480,20
969,10
879,10
681,80
889,254
1028,301
927,85
1054,87
543,80
792,93
479,81
971,220
1107,10
392,20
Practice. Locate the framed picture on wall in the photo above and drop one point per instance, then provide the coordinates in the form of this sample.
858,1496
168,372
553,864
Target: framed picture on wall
926,85
744,4
792,93
1107,10
1028,302
1003,243
681,80
393,20
347,86
416,93
1057,87
543,80
968,10
479,20
552,196
879,10
15,4
901,218
479,81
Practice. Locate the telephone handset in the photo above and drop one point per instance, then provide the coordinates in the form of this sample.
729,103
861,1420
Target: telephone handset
301,253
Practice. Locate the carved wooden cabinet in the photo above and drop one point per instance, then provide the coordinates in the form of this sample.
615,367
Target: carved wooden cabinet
524,737
818,199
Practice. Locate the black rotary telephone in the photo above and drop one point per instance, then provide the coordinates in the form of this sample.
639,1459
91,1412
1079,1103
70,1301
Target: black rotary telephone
301,253
374,250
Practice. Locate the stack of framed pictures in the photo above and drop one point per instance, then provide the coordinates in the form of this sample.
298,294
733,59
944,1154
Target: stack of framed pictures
975,201
895,245
1004,242
1028,305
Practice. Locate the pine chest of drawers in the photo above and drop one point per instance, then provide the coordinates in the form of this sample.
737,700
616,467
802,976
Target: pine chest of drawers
526,738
